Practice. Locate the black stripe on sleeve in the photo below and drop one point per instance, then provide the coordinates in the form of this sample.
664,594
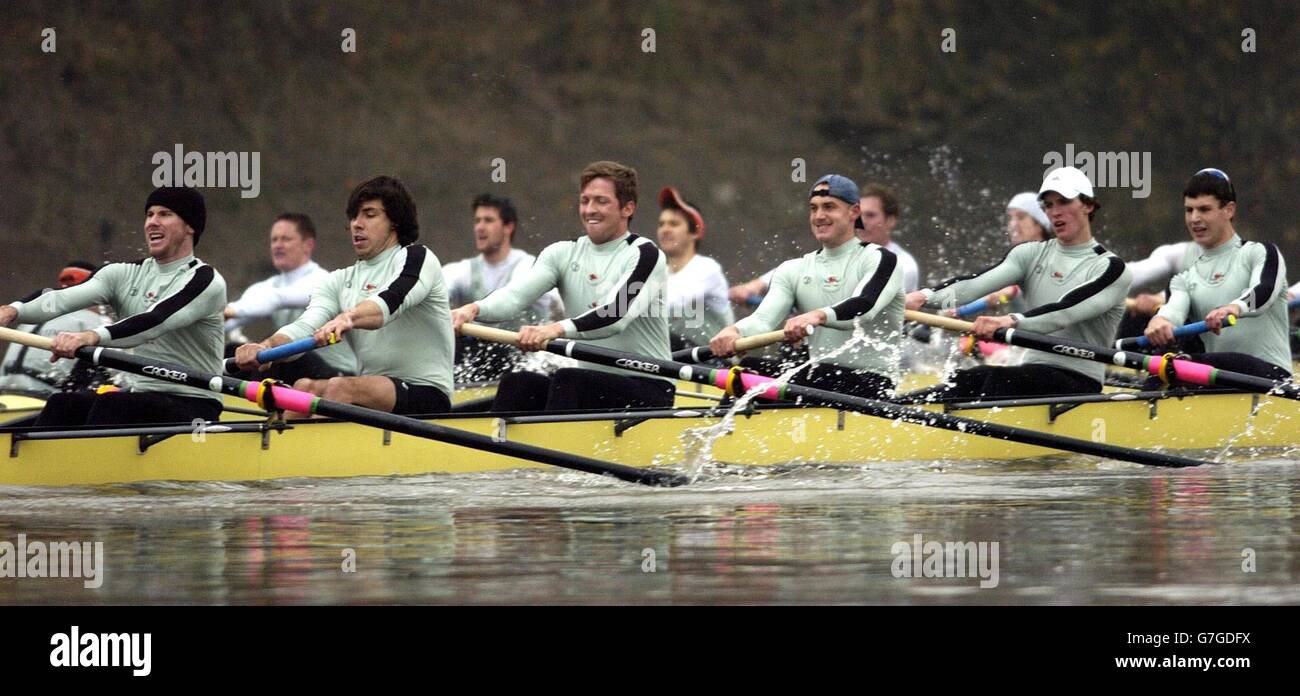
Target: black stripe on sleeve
976,274
862,303
395,294
1267,287
1114,269
608,314
144,321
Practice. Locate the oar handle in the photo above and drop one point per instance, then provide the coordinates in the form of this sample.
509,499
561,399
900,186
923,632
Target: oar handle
938,322
1000,297
23,338
287,350
702,353
1193,329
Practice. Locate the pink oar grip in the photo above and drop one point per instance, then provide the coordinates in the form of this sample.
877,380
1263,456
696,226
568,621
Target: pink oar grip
286,398
748,380
1184,370
1193,372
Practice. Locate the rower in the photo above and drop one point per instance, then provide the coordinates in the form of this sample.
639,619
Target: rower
1026,221
283,297
845,284
696,301
170,307
1227,276
1074,285
26,369
469,280
876,225
390,307
617,278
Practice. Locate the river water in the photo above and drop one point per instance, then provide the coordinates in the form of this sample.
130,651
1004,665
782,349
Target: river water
1067,531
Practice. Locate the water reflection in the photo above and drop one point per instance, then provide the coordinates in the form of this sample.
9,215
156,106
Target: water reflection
1082,533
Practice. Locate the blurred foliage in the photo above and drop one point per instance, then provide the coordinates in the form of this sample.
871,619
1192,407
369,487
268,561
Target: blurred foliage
734,91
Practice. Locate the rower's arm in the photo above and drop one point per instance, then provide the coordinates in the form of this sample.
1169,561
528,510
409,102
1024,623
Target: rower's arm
324,306
258,301
1160,266
776,304
55,303
641,285
881,283
506,303
1011,270
420,276
1176,308
204,295
1267,279
1107,289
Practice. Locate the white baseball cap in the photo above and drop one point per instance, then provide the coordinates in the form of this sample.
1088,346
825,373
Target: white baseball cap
1070,182
1027,202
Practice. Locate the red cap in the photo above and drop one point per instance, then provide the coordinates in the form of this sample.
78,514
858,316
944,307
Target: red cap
669,198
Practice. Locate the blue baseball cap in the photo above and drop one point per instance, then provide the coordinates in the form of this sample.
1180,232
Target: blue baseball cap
841,187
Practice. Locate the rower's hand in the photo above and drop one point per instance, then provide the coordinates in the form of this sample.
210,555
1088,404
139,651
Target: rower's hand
463,315
1160,331
246,356
338,326
986,325
1216,318
723,345
228,312
8,315
1147,304
796,329
914,300
536,337
66,343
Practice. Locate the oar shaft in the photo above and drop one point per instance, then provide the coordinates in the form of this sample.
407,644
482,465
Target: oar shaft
719,378
287,350
1193,329
294,400
1183,370
1000,297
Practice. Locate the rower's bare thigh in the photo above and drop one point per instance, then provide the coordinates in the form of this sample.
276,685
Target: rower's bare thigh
372,392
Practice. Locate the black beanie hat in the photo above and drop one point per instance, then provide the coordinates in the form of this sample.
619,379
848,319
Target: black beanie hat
185,202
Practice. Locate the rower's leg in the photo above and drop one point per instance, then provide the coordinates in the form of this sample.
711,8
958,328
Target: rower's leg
373,391
66,409
151,408
521,391
575,388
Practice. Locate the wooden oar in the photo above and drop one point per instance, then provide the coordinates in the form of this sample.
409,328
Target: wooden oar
1168,368
303,402
287,350
1193,329
736,381
701,353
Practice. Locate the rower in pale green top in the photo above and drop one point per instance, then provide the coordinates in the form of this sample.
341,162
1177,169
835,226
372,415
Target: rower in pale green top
390,306
843,286
1227,276
170,306
612,282
1075,287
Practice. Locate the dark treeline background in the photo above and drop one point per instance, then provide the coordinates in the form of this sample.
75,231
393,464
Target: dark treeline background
733,92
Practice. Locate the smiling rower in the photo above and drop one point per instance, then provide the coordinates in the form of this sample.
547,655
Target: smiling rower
615,281
170,304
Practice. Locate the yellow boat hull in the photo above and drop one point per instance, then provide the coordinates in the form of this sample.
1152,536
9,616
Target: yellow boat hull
777,436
